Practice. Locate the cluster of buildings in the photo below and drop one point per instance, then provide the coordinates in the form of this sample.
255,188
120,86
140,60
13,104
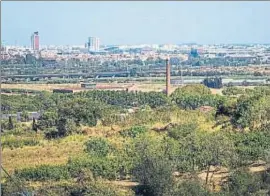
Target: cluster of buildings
92,49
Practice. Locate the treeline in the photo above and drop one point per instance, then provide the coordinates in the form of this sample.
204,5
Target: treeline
128,99
19,91
90,106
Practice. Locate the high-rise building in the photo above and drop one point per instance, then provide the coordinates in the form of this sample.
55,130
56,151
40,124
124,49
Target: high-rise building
3,46
35,41
93,44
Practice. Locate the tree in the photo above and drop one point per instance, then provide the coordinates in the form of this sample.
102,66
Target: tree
210,154
194,96
195,89
34,125
48,119
252,111
133,72
154,168
10,123
98,147
155,174
66,127
213,82
199,150
82,111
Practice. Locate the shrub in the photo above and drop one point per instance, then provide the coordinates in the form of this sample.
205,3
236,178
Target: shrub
182,131
133,131
189,188
233,91
99,166
66,127
51,133
98,146
13,186
94,188
47,120
44,172
18,143
250,146
243,183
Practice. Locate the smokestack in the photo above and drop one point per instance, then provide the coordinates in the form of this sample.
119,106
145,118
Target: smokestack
168,77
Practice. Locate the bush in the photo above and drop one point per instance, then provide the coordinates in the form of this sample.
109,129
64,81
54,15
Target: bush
133,131
9,124
66,127
18,143
155,174
182,131
190,188
51,133
43,173
13,186
95,188
100,167
47,120
243,183
233,91
250,146
98,146
187,101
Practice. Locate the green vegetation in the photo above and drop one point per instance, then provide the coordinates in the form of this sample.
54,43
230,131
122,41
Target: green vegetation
122,143
98,147
213,82
195,96
133,131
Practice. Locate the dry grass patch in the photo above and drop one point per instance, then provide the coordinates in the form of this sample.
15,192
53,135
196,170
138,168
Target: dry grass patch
50,153
40,87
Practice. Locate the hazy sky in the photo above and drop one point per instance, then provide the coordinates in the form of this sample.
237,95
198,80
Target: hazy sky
136,22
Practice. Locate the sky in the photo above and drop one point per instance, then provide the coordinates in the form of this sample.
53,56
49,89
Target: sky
137,22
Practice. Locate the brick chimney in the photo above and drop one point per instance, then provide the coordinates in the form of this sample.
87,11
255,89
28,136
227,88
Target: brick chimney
168,77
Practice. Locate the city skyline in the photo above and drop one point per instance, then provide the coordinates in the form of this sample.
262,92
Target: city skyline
118,23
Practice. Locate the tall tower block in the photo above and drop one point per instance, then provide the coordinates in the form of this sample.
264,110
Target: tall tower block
168,77
35,41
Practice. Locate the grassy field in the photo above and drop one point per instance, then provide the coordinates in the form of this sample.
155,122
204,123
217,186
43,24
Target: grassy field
46,152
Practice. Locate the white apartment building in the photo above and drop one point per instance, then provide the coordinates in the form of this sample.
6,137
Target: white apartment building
93,44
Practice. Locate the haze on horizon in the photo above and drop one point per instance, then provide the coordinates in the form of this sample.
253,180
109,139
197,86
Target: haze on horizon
63,23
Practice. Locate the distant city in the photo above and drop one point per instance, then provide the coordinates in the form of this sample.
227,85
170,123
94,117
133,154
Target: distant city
94,60
245,52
